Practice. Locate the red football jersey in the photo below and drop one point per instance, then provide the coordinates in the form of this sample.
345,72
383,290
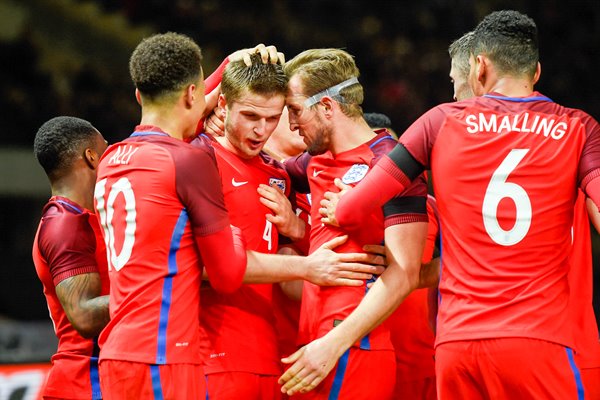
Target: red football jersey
241,326
323,307
581,284
505,172
155,196
68,242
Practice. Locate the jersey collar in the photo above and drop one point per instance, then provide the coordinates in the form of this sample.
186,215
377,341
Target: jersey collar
535,96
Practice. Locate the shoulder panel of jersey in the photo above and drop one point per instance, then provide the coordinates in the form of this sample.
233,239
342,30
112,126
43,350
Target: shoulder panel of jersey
66,239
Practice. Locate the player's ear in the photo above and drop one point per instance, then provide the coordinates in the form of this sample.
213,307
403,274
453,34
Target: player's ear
538,73
138,97
189,96
91,157
328,104
481,68
222,106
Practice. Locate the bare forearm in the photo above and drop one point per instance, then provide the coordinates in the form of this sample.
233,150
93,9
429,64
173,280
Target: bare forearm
96,314
388,291
404,245
85,308
271,268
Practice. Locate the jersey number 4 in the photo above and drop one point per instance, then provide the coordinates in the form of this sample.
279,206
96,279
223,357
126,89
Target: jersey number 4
498,189
107,211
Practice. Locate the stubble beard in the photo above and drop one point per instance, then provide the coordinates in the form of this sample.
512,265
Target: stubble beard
321,141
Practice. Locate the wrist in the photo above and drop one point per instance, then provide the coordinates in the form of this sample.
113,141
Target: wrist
298,230
337,341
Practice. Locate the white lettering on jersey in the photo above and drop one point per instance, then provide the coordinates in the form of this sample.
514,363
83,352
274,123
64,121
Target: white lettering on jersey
548,127
122,155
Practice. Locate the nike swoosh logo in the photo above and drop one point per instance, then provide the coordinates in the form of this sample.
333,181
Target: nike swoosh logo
316,173
236,184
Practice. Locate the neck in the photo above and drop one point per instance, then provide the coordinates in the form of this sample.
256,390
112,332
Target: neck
77,188
512,87
166,119
350,133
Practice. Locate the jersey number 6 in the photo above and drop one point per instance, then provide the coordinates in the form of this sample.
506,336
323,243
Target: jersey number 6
499,189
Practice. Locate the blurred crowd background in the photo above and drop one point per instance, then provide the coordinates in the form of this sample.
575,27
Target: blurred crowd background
69,57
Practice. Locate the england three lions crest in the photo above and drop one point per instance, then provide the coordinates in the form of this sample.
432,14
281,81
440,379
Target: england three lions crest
279,183
355,173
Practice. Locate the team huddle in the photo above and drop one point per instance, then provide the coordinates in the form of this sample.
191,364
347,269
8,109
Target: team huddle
256,238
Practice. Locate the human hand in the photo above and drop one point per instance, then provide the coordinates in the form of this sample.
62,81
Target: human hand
311,364
330,201
375,249
214,124
268,54
328,268
283,217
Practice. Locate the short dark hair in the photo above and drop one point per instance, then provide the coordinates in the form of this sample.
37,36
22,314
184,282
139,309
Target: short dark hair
510,39
165,63
59,141
258,78
378,120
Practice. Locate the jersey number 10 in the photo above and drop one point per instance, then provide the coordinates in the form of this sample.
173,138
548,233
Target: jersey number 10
106,211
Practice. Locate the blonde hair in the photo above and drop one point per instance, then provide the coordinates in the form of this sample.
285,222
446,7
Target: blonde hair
320,69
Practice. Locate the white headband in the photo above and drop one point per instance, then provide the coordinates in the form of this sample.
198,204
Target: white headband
331,92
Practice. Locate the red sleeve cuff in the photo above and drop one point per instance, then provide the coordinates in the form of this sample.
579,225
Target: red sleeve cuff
58,278
405,219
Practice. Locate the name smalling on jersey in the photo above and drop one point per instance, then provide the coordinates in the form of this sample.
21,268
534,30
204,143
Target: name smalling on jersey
526,123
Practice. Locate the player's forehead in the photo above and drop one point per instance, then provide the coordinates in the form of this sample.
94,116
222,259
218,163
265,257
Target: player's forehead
295,91
260,105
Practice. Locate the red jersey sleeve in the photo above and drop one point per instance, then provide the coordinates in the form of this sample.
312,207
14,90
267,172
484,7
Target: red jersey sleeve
408,206
589,163
68,244
199,188
394,172
214,79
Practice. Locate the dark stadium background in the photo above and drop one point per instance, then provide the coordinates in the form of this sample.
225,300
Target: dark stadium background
69,57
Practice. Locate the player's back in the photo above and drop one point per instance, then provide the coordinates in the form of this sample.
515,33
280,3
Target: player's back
505,177
145,203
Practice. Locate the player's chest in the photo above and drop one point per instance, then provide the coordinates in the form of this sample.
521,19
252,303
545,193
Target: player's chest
242,180
323,172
